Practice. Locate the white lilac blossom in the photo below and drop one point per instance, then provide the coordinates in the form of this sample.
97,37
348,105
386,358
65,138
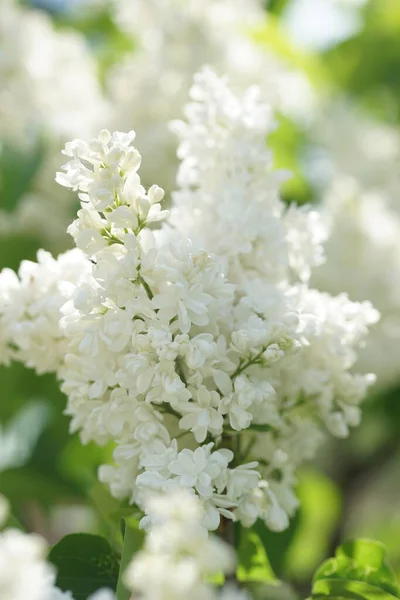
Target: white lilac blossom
179,553
50,93
187,361
360,182
363,258
210,364
30,305
172,41
24,572
34,56
350,143
228,184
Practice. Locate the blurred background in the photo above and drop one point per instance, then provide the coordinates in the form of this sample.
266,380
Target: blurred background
331,71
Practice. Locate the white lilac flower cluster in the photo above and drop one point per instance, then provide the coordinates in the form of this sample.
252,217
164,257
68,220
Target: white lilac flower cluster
173,39
228,199
350,143
41,69
216,373
24,571
363,254
228,184
180,554
147,88
360,202
30,305
34,56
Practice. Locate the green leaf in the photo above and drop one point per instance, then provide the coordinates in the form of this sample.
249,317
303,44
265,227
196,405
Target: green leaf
349,590
366,553
361,562
277,544
84,564
320,505
133,540
253,563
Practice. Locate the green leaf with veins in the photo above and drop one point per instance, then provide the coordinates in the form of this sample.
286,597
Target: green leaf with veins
359,570
85,563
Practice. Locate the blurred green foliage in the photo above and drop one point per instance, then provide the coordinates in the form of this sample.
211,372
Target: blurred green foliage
276,7
17,171
368,64
108,42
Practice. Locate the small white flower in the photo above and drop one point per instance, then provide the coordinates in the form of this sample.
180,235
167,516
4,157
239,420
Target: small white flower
199,468
201,416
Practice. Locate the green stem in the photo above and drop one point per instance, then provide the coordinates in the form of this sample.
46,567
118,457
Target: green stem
146,287
245,455
245,365
179,370
167,409
252,427
226,528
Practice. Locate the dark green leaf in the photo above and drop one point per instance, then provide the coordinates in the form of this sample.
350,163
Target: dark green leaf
84,564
